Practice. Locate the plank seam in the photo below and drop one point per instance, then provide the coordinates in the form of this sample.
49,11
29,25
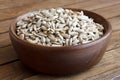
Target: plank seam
9,62
6,46
4,32
104,72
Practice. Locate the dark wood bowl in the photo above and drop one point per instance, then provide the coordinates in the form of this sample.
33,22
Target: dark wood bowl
62,60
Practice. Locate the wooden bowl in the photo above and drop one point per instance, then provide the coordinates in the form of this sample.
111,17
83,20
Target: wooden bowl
62,60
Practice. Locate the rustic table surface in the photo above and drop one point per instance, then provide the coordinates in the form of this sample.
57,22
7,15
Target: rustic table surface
12,69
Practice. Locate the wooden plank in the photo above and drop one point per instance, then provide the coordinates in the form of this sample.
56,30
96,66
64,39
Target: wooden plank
14,71
115,40
109,12
110,61
7,54
108,75
4,40
115,21
16,11
16,3
105,70
106,8
5,25
94,4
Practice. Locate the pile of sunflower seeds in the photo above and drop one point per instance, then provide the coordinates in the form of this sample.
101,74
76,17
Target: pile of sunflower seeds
58,27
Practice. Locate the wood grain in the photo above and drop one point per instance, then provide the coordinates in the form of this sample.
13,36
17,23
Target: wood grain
109,62
5,24
16,3
4,40
109,12
115,40
14,71
109,74
115,22
16,11
94,4
7,54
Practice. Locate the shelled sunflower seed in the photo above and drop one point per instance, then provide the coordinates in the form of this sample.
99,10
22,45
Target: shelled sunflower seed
58,27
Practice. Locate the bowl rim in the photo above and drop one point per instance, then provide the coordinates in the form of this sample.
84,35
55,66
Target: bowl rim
106,34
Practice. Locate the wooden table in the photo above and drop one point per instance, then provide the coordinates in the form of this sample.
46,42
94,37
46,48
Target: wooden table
12,69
